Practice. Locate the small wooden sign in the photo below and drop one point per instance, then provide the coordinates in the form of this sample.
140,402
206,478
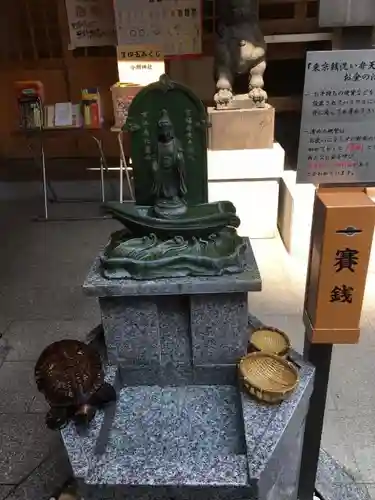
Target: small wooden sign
140,73
340,247
139,53
140,64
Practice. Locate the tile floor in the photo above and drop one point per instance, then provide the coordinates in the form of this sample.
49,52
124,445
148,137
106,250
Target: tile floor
42,267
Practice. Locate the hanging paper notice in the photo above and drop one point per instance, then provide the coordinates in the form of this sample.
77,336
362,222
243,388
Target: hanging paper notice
175,27
91,23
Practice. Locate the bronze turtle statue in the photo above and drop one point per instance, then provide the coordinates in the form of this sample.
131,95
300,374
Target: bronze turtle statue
70,375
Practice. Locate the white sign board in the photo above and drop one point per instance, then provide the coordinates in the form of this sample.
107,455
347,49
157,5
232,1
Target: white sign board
337,139
174,26
140,64
91,23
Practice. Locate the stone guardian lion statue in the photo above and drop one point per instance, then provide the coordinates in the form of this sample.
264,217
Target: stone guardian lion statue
240,49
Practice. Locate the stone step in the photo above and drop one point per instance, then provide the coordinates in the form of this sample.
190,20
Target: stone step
158,470
170,420
212,437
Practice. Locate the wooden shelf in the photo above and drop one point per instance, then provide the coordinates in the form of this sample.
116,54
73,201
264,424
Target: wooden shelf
36,48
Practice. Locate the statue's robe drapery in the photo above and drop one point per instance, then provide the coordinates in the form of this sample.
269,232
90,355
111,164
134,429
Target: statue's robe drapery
169,171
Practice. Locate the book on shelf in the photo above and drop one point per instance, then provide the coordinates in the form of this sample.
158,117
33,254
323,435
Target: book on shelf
30,113
29,96
77,116
62,115
91,108
49,116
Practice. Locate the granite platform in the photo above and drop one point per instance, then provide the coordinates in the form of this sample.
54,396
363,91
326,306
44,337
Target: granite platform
192,441
177,330
182,426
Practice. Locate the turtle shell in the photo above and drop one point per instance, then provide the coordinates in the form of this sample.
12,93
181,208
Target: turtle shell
68,372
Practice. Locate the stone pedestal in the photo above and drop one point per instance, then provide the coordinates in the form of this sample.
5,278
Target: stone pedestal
250,179
179,338
183,427
296,203
232,129
175,330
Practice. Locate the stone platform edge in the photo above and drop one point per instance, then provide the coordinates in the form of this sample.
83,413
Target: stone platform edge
262,441
248,281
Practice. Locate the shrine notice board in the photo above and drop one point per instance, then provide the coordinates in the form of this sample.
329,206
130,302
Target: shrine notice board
91,23
175,27
337,139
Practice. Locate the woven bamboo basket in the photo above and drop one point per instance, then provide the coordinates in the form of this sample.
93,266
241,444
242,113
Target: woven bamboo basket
270,340
267,377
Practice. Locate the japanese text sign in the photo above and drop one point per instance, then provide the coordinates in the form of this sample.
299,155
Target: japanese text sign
176,27
340,250
140,72
139,53
91,23
337,139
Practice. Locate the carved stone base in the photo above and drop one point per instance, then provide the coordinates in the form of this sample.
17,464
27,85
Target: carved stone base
249,128
150,257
